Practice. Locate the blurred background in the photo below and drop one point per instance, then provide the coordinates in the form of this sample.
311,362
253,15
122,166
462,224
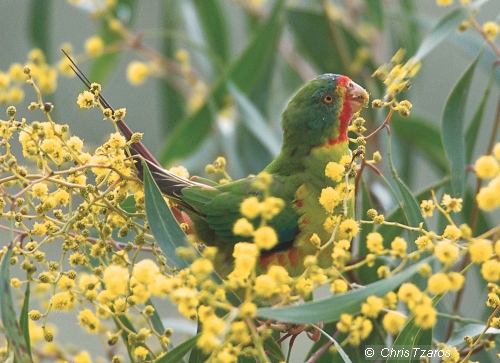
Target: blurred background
303,48
246,59
172,26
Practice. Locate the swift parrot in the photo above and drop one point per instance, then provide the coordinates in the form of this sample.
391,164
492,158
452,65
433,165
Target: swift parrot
315,123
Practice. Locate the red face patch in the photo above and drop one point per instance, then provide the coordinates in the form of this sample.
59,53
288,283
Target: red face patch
345,113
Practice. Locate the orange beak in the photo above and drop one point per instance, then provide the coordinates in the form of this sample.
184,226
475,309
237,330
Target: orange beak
357,96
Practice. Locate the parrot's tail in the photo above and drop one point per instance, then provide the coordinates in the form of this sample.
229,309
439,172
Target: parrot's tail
170,184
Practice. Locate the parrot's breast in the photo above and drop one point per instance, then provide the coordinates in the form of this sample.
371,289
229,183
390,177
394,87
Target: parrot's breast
313,217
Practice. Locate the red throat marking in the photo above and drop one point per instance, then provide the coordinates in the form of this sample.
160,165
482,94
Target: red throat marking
291,257
345,114
298,203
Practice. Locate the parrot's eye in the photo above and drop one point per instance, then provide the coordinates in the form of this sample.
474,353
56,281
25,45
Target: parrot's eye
327,99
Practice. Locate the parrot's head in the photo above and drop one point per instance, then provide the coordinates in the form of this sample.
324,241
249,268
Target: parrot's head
322,109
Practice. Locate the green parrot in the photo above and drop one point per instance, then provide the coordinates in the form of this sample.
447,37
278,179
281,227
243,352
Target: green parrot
315,124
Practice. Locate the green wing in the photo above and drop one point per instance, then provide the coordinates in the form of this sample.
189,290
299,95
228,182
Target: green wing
220,208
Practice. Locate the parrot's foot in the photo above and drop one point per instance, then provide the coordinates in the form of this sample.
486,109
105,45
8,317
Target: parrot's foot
293,330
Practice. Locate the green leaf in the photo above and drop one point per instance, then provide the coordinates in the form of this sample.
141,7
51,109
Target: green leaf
244,73
172,103
482,225
197,354
366,203
120,321
412,336
389,232
273,350
328,45
243,359
165,228
214,25
40,15
128,204
365,273
473,330
254,121
156,318
13,332
475,125
409,206
452,127
407,34
163,225
24,319
342,355
445,27
103,65
262,93
254,159
329,309
411,210
376,13
176,354
471,43
421,134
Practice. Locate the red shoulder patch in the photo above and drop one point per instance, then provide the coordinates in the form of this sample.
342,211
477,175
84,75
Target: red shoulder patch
294,256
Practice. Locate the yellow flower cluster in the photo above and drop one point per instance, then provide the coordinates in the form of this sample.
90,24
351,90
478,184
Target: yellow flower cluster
116,290
94,46
91,224
223,340
488,167
331,197
111,161
251,208
454,242
393,321
375,244
50,141
118,281
86,99
396,75
11,83
245,259
121,283
41,72
340,256
446,248
137,72
99,8
419,303
357,328
449,2
88,320
441,282
276,282
447,205
490,29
